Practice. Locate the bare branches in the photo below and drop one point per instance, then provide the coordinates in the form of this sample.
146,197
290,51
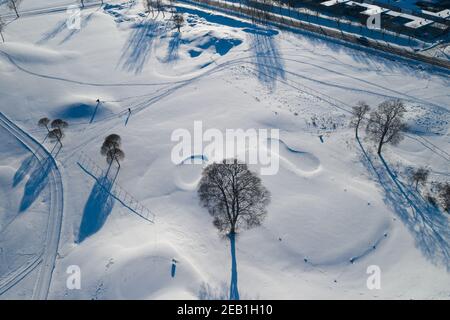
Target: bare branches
386,123
359,112
233,195
178,20
14,5
44,122
56,134
59,124
111,149
419,177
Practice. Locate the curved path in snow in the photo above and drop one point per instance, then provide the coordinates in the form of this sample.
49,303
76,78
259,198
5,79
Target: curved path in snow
46,261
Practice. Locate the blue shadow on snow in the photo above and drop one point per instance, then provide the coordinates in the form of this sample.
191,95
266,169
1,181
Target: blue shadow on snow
97,208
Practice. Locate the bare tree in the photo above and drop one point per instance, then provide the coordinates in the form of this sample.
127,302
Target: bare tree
149,6
56,135
59,124
178,19
359,112
2,27
233,195
14,5
419,176
57,132
111,149
386,123
444,196
236,199
160,6
44,122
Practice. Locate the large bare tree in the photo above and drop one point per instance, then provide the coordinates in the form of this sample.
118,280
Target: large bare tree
386,123
236,199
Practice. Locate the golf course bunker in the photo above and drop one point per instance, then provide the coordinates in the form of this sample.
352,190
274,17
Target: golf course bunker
301,162
188,173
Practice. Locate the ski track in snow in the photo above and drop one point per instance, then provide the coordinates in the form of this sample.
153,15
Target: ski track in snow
46,260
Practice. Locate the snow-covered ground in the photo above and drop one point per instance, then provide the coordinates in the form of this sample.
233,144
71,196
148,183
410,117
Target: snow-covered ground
333,212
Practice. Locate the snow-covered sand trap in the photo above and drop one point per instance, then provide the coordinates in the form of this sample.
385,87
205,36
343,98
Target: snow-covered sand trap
187,174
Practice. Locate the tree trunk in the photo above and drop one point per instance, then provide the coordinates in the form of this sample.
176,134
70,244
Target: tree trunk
356,129
15,8
3,39
380,145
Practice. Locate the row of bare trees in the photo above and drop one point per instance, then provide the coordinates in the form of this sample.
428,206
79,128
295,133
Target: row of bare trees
111,148
158,6
386,125
55,129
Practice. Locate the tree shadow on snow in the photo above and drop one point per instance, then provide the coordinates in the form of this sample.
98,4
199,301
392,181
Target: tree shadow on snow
234,292
429,226
83,24
27,165
173,47
267,57
61,26
52,33
98,207
137,49
36,183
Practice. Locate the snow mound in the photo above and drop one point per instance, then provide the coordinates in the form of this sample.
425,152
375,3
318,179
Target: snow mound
147,275
212,41
32,54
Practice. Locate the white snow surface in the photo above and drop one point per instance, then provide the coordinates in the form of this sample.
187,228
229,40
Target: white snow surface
330,216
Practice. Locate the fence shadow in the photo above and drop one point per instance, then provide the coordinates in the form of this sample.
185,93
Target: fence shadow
97,209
